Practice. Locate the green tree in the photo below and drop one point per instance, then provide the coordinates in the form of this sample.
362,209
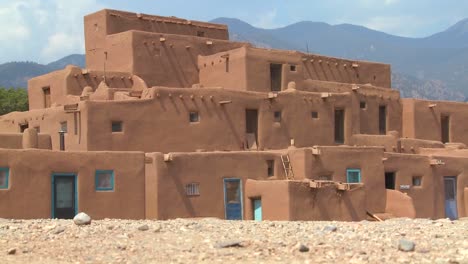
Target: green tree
12,99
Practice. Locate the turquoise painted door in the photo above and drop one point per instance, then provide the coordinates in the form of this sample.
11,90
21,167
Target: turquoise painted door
257,203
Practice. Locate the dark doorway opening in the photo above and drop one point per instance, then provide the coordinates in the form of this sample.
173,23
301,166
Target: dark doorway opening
275,77
339,126
23,127
445,128
383,120
251,127
390,180
47,102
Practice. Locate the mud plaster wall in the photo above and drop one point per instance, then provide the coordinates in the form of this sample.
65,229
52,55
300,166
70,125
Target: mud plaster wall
185,168
221,126
388,142
406,167
296,67
427,120
275,199
48,121
159,59
333,163
30,178
15,141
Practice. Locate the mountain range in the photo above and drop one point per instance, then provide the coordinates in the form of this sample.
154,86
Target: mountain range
433,67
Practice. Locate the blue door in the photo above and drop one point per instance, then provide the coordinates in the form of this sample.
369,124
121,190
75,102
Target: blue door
257,204
450,186
64,196
233,199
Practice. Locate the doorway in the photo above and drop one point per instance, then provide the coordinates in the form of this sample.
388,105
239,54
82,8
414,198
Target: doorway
390,180
445,128
339,126
382,120
257,207
251,127
233,199
275,77
64,196
450,186
47,101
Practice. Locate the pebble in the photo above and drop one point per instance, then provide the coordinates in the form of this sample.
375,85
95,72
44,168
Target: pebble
302,248
11,251
406,245
228,244
330,228
143,227
82,219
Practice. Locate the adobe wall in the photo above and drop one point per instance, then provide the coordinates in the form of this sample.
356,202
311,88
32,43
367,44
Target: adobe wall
208,170
222,120
332,163
407,166
423,120
296,201
29,193
15,141
390,143
159,59
106,22
66,86
305,66
48,122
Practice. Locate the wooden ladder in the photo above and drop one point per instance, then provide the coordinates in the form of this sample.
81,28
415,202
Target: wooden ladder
288,170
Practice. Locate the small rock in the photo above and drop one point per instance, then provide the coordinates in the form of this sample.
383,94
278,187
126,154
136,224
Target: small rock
82,219
302,248
228,244
12,251
330,228
143,227
406,245
58,230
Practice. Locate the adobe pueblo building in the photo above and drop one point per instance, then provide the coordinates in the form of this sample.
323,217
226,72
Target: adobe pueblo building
171,119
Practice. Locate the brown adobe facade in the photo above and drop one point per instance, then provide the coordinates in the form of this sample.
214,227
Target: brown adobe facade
171,119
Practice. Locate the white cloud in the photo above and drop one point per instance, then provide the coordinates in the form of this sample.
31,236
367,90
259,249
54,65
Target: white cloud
43,30
266,20
398,25
377,3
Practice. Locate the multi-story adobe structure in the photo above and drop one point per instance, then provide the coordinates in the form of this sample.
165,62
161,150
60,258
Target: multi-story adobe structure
171,119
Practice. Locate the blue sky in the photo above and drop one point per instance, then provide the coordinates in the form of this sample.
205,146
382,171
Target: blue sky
46,30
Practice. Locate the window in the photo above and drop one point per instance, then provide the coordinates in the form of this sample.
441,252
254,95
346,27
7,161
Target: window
292,68
277,116
38,129
194,117
104,180
353,175
117,126
417,180
63,126
271,168
314,115
4,175
192,189
363,105
200,33
23,127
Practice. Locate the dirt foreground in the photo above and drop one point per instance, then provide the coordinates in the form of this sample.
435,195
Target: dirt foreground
211,240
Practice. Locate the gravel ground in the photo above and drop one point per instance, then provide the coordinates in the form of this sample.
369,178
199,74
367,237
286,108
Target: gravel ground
212,240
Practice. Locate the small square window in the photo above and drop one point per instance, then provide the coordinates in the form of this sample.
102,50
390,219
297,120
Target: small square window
4,177
277,116
192,189
104,180
194,117
353,175
363,105
271,168
117,126
63,126
293,68
314,115
417,180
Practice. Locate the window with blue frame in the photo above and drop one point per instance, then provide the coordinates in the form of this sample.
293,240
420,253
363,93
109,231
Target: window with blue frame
104,180
4,177
353,175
